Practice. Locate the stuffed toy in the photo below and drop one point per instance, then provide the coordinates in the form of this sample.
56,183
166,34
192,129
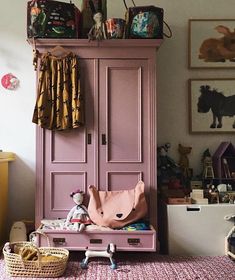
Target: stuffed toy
166,166
18,232
50,258
77,217
28,253
31,254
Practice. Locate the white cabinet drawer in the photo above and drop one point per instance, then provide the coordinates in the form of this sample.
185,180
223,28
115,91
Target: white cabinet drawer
197,229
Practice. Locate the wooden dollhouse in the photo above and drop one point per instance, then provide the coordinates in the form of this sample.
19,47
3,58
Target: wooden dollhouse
224,161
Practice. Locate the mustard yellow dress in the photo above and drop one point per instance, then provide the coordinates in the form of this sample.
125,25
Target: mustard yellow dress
59,104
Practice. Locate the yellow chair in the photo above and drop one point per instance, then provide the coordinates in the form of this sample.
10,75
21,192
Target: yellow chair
5,157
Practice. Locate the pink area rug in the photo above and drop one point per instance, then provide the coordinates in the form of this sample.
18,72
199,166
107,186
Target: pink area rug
146,266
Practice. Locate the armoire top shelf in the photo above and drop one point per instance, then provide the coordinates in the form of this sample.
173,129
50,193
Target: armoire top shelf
41,42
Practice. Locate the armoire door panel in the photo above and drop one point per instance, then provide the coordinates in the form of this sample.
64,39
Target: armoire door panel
69,146
119,179
69,160
124,113
57,195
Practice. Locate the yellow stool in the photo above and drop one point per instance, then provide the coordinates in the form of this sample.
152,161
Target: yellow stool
5,157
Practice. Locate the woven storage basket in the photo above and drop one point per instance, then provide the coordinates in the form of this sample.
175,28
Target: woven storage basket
17,267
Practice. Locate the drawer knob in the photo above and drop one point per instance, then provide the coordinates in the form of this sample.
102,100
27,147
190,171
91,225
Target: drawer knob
59,241
96,241
133,241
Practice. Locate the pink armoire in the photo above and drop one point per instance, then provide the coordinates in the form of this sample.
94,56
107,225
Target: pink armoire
113,150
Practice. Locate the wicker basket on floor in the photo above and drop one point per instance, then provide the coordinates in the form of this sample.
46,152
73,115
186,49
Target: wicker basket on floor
16,266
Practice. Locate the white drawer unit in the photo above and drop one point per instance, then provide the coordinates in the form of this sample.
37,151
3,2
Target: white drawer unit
197,229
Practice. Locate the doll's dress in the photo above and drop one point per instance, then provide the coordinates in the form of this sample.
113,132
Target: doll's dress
81,216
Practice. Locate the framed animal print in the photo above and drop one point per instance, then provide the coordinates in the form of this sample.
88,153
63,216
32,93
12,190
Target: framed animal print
211,43
212,105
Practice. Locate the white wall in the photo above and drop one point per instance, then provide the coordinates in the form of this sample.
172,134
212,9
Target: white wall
17,133
173,75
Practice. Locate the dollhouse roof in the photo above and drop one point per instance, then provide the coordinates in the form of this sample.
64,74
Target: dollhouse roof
224,149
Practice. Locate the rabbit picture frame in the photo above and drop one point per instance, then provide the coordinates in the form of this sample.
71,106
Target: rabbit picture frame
211,43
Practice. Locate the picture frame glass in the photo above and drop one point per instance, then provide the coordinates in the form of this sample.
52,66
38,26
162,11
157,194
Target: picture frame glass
212,105
211,43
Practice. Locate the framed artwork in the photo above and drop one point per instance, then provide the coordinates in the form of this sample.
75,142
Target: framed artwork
212,105
211,43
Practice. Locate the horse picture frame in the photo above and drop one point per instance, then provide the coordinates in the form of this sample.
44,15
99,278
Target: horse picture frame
212,105
211,43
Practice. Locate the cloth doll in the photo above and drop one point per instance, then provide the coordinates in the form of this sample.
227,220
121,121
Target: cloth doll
77,217
97,31
166,166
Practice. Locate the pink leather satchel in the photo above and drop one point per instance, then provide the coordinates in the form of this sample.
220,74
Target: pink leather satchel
116,209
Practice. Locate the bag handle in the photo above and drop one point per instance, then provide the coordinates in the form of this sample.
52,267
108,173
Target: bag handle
124,1
169,30
39,232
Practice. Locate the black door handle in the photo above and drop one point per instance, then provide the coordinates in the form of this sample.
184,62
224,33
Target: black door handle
89,138
103,139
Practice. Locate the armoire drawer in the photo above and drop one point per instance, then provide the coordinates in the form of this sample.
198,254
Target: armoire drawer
143,240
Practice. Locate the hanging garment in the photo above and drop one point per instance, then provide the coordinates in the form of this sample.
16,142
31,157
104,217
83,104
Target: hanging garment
59,104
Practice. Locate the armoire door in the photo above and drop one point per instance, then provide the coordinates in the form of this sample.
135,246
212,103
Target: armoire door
123,123
69,156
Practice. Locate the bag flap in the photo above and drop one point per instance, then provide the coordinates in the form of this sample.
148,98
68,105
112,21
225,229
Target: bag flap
114,205
107,204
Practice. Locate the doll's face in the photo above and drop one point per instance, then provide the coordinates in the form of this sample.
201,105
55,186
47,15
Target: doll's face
78,198
97,17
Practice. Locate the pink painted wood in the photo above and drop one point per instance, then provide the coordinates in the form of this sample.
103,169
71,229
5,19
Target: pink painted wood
123,119
143,240
118,83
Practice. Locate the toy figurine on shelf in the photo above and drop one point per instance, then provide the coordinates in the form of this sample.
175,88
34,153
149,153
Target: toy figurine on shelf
208,172
213,194
166,166
77,217
97,31
184,161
